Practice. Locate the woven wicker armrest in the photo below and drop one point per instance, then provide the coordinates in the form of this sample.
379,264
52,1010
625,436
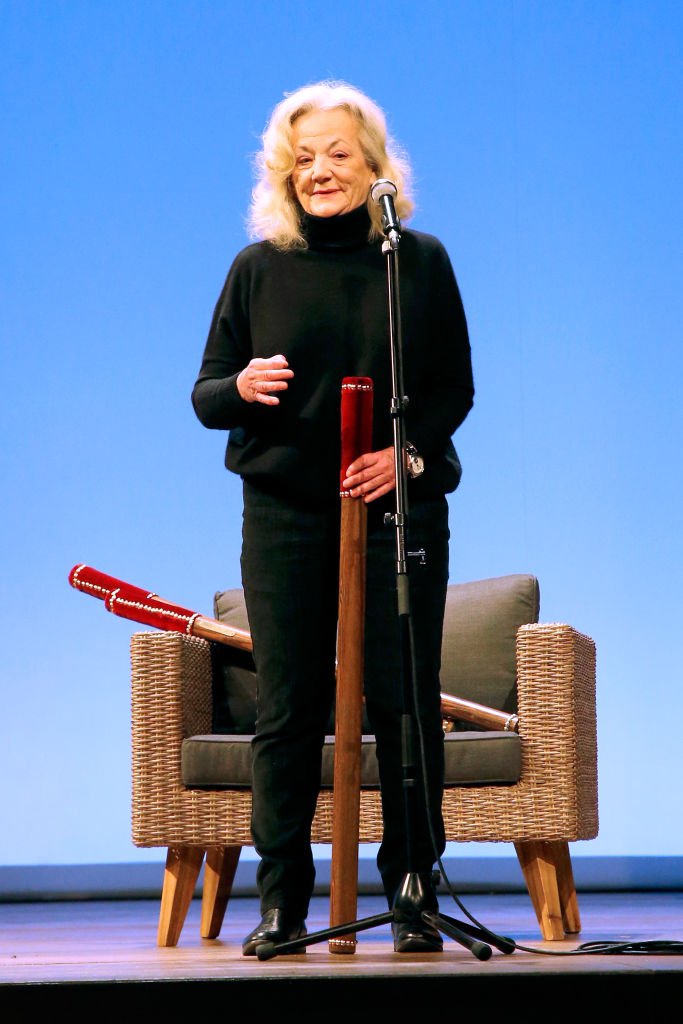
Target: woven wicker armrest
170,700
557,722
556,796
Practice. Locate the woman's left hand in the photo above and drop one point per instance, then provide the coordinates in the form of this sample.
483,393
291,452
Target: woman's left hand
371,475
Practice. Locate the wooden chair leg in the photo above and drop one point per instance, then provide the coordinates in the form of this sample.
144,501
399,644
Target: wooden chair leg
180,879
548,874
565,882
219,874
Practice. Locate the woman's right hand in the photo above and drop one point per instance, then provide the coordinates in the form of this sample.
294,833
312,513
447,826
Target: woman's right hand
261,377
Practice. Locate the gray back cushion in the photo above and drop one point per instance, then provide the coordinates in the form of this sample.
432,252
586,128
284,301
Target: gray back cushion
478,659
234,675
478,653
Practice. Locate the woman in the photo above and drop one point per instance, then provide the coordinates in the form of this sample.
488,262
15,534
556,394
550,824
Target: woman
300,309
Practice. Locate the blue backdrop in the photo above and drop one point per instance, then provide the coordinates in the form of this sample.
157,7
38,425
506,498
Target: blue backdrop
546,143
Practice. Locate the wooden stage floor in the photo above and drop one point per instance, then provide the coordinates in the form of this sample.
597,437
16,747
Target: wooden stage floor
65,955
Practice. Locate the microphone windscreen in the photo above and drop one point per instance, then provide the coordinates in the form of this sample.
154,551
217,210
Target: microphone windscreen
382,187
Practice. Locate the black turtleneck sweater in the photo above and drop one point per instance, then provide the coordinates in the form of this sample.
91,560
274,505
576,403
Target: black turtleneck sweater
325,309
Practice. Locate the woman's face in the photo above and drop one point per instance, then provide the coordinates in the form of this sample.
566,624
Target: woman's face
331,175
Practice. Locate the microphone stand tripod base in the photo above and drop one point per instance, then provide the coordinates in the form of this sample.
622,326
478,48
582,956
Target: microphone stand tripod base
409,908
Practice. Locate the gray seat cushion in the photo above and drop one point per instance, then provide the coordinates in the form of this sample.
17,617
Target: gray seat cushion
472,758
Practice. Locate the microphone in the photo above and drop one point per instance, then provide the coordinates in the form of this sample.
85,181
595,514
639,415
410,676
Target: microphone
382,193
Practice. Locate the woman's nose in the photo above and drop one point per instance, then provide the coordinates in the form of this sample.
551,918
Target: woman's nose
321,169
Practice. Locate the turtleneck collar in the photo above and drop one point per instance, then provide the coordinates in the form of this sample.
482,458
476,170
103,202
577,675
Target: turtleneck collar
343,231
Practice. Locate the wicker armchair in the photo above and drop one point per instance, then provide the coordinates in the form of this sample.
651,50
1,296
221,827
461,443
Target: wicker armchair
544,672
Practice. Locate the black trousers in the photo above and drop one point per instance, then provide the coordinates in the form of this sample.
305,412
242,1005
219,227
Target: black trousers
290,572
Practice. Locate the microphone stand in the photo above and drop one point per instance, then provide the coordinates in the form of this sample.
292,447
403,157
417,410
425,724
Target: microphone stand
409,902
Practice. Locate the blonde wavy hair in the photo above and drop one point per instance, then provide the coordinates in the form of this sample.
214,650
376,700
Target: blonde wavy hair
274,210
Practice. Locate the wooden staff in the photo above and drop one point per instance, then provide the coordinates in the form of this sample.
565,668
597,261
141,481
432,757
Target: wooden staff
454,709
144,606
356,440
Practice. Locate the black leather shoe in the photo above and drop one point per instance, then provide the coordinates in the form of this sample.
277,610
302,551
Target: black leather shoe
276,926
416,937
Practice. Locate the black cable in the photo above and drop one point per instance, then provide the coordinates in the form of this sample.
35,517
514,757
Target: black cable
645,946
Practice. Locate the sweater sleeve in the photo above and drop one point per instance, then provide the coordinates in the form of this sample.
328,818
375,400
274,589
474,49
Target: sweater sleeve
215,398
447,394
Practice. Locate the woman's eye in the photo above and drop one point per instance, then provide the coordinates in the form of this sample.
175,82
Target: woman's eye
303,161
340,156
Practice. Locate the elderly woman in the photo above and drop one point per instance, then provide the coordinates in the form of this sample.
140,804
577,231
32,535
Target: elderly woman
302,308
